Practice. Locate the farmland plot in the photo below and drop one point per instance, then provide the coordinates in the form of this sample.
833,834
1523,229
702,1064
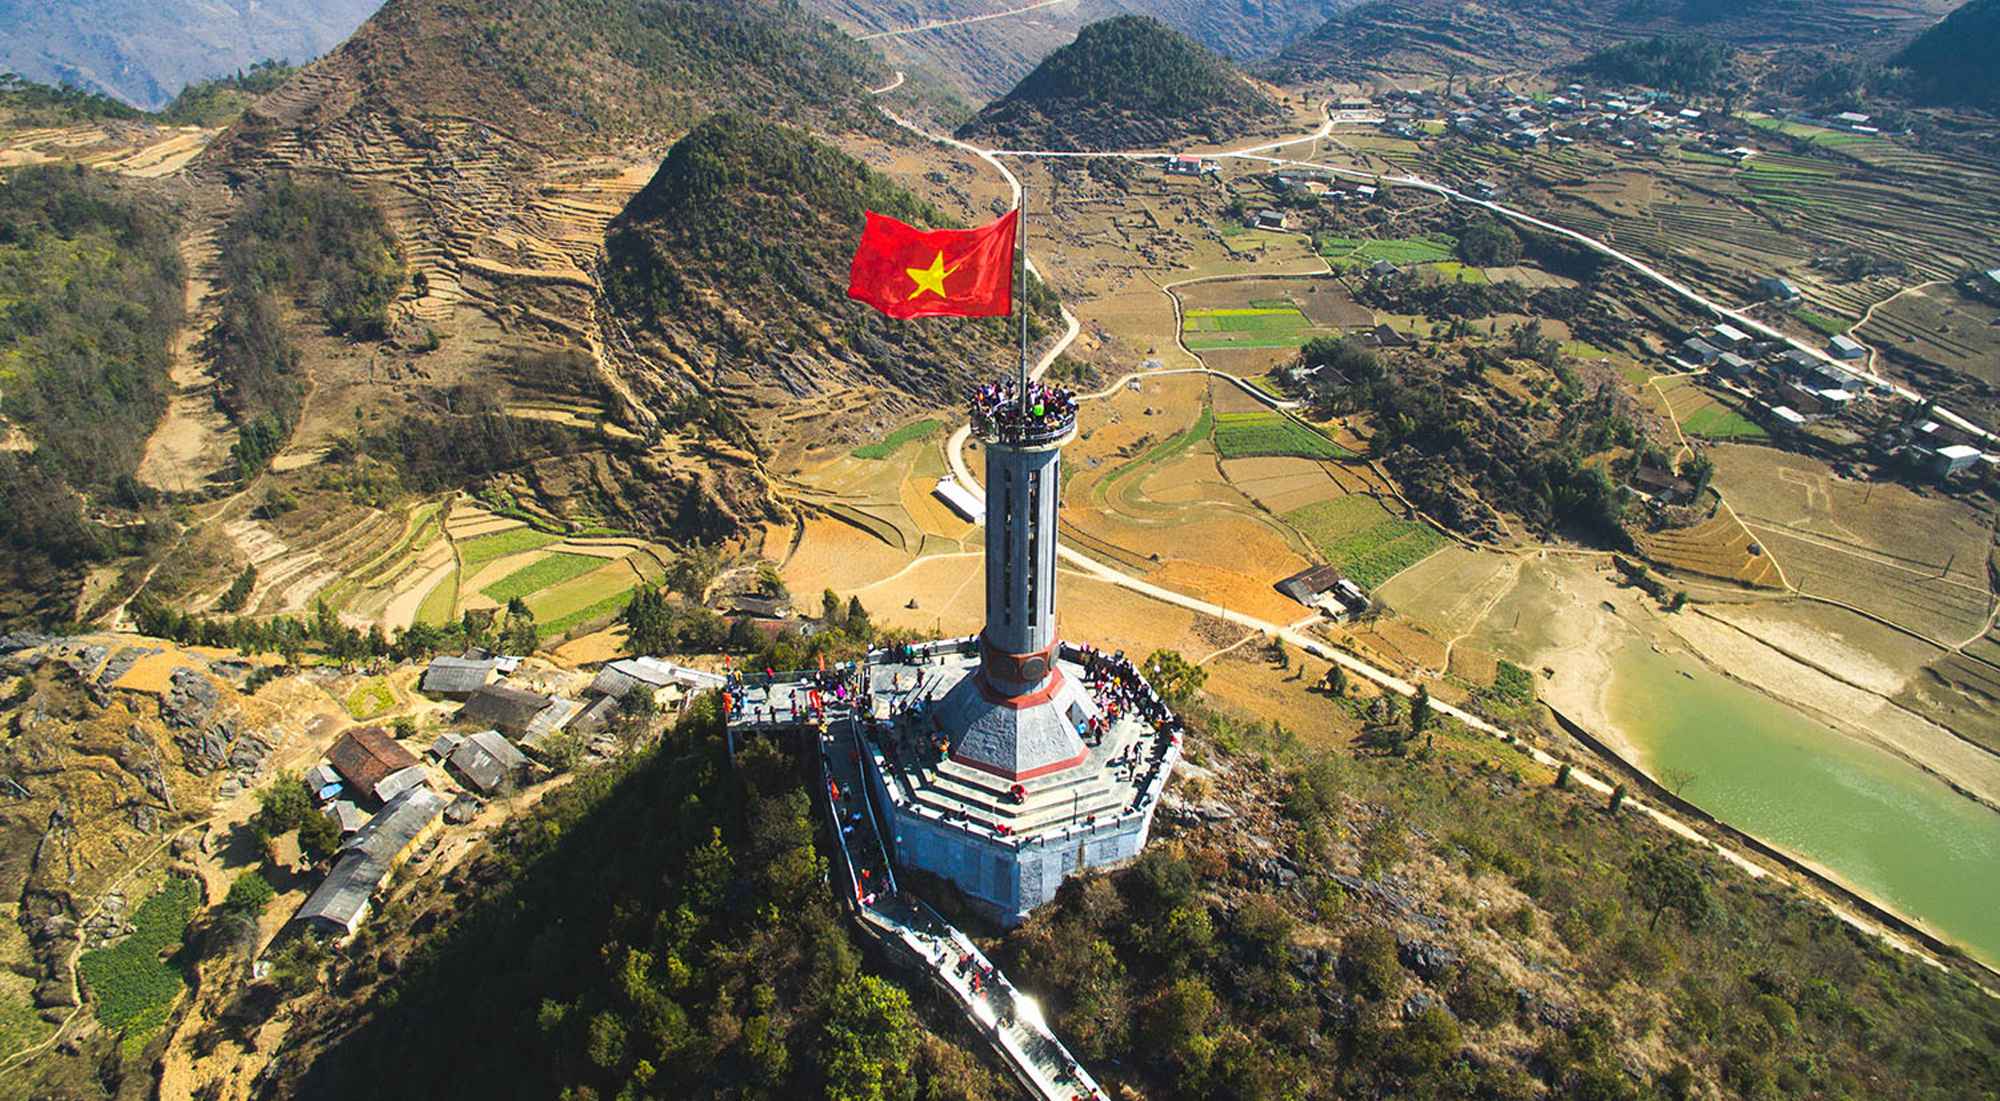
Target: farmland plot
1252,435
1364,540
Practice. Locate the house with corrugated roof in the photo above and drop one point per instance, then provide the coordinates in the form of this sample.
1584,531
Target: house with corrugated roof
365,756
458,678
504,708
486,762
341,902
668,683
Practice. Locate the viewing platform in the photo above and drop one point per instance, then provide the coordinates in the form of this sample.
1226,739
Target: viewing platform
1048,419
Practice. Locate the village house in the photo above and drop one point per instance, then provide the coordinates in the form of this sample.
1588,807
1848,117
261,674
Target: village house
520,714
458,678
1728,338
1663,486
1779,289
668,684
1697,352
367,757
346,815
1271,219
1951,459
341,902
1846,347
486,762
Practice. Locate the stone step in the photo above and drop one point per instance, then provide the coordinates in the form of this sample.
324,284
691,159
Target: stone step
1023,820
1088,787
968,776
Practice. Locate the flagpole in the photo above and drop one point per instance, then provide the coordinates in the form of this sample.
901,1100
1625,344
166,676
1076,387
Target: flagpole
1021,301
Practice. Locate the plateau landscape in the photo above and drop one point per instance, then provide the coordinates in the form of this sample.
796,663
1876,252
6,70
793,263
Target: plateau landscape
973,549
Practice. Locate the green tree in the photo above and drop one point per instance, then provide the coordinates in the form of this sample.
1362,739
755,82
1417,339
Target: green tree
858,623
1174,677
831,609
1336,680
1178,1025
1488,243
1420,710
282,806
319,836
1665,879
868,1043
1617,799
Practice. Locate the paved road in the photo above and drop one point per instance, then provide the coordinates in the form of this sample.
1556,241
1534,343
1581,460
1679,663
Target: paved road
922,27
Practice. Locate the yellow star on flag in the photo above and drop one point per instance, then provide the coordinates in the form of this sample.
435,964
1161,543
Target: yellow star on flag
930,280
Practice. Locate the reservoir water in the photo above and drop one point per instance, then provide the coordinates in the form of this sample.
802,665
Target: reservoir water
1881,825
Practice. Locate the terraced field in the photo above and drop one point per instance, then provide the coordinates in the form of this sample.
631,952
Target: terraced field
1937,325
546,572
1363,539
1701,412
1716,547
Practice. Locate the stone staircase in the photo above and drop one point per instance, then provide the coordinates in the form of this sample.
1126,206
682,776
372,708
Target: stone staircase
953,788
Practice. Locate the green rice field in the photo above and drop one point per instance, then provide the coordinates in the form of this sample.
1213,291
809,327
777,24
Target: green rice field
1249,435
132,981
1408,250
441,603
546,573
1819,322
1275,326
1364,540
479,550
894,441
1717,422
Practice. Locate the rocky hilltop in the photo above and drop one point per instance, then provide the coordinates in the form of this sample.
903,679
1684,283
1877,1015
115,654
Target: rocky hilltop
1126,83
732,262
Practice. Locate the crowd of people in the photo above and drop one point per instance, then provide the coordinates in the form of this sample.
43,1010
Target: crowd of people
1118,689
999,412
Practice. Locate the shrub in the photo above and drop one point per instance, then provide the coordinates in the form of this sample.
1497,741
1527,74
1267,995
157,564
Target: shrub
1372,968
248,895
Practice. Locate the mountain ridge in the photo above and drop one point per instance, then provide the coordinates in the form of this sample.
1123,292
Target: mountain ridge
144,53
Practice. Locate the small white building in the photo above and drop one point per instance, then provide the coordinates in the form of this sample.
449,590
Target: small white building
1948,461
1729,337
1846,347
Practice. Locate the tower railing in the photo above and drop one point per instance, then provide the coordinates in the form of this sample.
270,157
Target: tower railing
1000,416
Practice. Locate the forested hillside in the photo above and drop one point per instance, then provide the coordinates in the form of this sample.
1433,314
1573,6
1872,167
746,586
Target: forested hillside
1127,83
90,295
657,929
314,245
736,256
1954,62
1688,64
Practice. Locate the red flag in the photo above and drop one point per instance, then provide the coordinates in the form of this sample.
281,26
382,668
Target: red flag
909,272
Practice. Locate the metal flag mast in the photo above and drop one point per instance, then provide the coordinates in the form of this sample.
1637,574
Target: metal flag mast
1021,298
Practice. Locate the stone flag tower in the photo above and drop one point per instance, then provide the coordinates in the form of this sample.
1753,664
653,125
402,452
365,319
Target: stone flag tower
1016,717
